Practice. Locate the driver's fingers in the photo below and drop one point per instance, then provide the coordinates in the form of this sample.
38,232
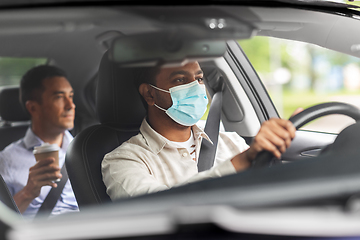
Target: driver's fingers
263,143
281,127
281,143
275,136
298,110
289,126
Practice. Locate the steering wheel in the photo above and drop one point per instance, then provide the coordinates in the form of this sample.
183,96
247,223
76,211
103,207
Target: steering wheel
265,158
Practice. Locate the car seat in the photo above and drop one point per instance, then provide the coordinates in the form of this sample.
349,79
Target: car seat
6,197
13,125
14,120
120,112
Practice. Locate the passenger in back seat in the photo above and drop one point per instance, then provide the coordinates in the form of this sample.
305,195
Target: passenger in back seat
47,96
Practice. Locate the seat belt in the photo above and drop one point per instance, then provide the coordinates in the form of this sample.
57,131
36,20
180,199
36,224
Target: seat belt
208,150
53,196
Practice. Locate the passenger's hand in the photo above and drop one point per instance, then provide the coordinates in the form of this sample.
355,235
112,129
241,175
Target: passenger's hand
275,136
43,173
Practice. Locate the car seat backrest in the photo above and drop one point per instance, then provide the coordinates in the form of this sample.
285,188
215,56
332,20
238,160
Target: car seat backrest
14,120
120,112
6,197
118,102
13,125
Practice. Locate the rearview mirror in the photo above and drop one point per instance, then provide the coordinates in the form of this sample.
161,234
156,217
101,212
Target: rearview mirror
156,48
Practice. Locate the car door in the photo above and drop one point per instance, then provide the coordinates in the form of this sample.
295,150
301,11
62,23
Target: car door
306,143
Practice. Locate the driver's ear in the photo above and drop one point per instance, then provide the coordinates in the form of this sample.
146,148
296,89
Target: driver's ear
146,92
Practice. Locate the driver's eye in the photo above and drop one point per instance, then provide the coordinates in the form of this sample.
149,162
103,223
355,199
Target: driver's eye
180,80
200,80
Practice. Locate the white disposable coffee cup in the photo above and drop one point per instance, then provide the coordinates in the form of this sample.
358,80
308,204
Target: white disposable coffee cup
47,150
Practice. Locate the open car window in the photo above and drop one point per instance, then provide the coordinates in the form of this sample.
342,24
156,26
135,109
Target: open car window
300,75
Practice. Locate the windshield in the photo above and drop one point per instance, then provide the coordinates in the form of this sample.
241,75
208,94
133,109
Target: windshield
131,117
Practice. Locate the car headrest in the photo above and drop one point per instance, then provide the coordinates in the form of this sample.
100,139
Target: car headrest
118,102
10,107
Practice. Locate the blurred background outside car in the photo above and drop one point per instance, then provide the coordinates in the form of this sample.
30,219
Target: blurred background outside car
301,75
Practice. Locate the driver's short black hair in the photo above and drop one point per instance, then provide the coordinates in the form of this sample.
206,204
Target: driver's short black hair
145,75
31,84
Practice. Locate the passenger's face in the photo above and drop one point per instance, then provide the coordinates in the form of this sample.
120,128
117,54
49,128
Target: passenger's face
57,109
171,77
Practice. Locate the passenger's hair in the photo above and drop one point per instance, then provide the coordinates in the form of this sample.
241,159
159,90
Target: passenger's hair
31,84
145,75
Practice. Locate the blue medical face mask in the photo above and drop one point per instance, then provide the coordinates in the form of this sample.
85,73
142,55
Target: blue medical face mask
189,103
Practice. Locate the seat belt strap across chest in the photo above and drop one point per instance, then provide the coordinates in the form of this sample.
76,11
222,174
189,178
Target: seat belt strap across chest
208,150
53,196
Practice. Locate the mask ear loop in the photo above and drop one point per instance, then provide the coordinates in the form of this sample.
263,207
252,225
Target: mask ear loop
159,88
162,91
160,107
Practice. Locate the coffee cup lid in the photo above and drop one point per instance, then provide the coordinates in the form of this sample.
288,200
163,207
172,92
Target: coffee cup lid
46,147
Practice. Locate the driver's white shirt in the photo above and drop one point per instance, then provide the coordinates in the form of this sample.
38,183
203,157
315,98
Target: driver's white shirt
148,162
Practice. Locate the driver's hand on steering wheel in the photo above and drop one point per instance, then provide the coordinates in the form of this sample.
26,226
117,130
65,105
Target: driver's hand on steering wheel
274,136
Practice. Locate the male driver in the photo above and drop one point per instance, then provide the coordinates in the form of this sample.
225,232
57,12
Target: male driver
47,96
165,152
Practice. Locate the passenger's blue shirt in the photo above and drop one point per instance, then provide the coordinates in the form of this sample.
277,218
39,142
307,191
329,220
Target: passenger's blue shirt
15,161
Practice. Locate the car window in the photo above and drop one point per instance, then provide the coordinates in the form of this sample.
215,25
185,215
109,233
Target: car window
203,119
299,74
12,68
